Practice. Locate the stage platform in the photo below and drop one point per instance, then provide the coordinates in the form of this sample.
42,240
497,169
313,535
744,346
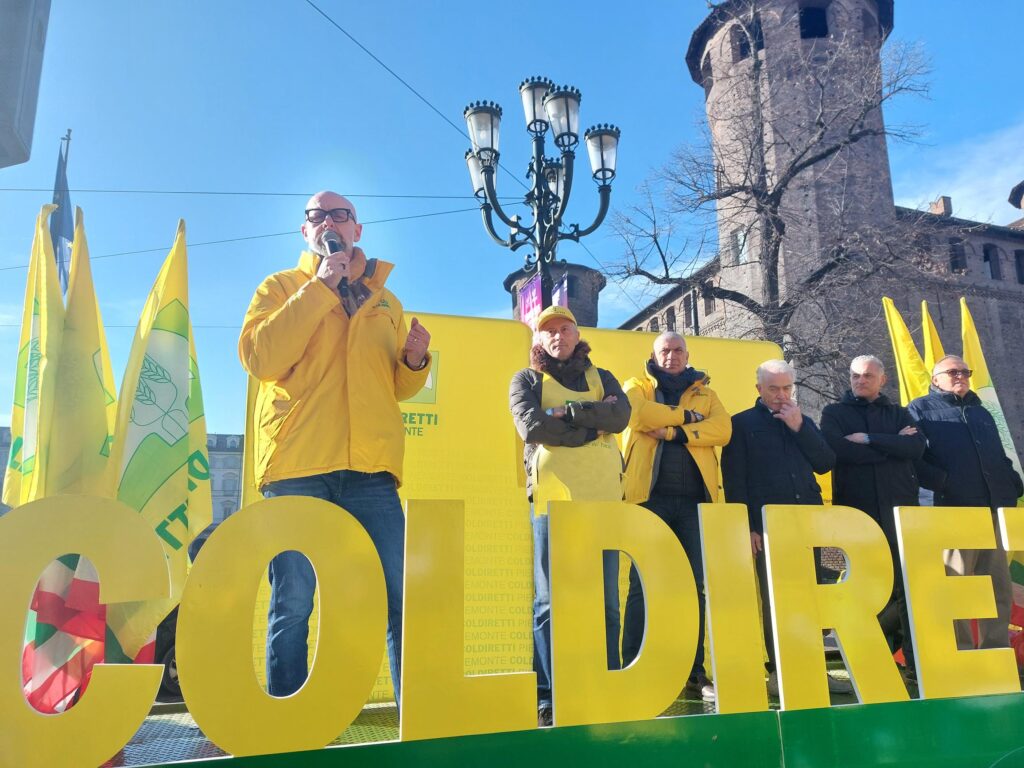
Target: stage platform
976,732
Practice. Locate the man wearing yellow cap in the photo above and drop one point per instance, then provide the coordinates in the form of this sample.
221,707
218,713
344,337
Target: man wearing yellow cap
566,411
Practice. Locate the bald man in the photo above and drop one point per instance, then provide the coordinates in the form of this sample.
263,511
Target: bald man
333,355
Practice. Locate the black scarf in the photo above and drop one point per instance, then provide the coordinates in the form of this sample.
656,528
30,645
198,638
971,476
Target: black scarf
672,385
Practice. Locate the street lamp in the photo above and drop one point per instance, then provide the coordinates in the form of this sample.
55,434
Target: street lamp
546,107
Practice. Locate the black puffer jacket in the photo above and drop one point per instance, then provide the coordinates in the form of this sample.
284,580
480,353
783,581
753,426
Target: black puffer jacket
965,463
584,419
873,478
766,462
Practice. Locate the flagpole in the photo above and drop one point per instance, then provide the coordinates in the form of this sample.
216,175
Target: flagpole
66,146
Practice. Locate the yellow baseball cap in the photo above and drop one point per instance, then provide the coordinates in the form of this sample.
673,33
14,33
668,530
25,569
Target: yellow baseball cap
555,313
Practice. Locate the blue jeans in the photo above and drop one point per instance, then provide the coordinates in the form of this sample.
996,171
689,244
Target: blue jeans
542,608
680,514
372,499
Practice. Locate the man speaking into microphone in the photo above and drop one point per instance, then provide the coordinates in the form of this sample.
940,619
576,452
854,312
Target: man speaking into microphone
330,348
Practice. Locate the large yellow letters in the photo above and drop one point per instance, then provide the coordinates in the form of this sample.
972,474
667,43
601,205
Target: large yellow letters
438,698
130,562
585,691
214,644
731,588
935,600
802,608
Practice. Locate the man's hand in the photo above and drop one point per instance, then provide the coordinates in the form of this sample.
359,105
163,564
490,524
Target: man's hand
333,267
657,434
858,437
908,431
756,545
416,344
791,415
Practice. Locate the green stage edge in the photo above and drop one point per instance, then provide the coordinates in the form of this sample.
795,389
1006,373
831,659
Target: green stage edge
978,732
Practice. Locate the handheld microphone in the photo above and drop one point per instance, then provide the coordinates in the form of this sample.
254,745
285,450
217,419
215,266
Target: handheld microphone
333,243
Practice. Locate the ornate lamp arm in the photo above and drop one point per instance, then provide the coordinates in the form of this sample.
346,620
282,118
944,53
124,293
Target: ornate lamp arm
605,191
491,194
485,212
568,159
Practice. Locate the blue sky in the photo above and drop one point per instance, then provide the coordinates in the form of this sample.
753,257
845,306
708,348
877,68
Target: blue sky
269,97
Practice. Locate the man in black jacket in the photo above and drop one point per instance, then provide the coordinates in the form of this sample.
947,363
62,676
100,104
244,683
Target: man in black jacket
771,459
566,410
876,444
966,466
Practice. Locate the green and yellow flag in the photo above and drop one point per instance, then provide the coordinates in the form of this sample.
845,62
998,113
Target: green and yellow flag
86,408
160,441
981,381
914,378
933,351
35,382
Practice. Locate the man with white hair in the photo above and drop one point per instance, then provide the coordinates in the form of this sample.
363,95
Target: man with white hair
567,410
966,466
772,457
876,444
676,422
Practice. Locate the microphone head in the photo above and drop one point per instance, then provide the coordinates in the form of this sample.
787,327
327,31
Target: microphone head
331,241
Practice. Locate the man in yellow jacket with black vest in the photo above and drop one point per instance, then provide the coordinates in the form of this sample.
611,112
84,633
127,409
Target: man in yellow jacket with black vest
676,421
329,346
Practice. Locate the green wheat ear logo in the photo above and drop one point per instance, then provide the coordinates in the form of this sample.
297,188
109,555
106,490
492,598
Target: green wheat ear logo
383,303
158,394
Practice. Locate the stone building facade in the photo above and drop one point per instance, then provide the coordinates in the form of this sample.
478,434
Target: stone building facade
852,192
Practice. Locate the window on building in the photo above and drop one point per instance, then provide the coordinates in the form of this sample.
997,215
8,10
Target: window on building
706,76
226,509
813,22
738,246
234,441
572,286
709,300
758,33
990,255
670,318
688,310
653,325
229,483
739,42
1018,260
957,256
211,441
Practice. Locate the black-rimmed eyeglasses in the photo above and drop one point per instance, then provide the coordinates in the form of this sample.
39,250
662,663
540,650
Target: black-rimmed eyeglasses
338,215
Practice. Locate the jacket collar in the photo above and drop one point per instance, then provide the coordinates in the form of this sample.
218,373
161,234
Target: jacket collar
971,398
689,374
851,399
375,272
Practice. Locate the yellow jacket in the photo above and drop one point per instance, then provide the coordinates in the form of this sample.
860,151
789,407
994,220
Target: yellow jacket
329,385
648,414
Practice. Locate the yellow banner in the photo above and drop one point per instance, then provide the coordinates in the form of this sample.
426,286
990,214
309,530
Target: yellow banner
460,443
933,351
914,378
160,445
86,406
35,375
